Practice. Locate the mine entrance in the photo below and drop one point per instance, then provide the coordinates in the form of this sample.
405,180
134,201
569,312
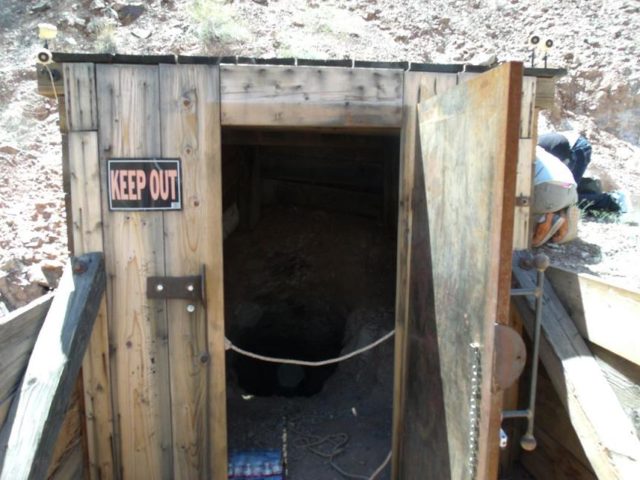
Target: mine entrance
309,274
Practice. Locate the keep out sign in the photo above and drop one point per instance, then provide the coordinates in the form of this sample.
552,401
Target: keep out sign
144,184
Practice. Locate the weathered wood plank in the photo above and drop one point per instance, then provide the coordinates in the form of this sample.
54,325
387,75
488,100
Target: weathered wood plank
524,182
527,109
604,430
605,314
405,438
18,334
278,96
80,96
86,219
36,416
624,378
470,213
68,458
190,126
545,93
129,127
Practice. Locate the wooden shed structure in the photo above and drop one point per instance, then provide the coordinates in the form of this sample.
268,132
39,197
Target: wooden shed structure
159,149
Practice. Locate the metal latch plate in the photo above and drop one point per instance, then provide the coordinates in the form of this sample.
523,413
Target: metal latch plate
188,288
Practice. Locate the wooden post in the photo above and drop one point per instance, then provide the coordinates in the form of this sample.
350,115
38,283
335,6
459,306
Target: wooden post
85,235
31,430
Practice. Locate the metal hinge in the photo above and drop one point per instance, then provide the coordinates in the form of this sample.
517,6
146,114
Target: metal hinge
523,201
188,288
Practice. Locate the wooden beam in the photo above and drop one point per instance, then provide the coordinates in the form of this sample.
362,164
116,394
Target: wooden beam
605,314
288,96
304,138
604,430
18,333
34,421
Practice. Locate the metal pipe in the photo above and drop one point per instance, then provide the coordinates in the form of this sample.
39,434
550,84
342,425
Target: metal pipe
528,441
516,292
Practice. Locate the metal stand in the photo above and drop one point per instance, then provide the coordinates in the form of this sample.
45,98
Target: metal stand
528,441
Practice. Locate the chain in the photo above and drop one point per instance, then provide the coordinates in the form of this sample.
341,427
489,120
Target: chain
474,409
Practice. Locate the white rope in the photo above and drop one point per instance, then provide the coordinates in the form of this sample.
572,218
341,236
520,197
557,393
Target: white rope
230,346
381,467
53,84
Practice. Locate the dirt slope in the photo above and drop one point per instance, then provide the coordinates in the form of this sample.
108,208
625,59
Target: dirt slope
597,41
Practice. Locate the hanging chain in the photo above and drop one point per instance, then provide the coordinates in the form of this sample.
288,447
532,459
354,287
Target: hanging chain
474,409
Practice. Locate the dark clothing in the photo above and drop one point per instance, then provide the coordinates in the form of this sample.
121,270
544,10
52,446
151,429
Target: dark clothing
557,145
576,157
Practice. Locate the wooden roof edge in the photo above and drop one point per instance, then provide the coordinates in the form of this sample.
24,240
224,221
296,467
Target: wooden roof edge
64,57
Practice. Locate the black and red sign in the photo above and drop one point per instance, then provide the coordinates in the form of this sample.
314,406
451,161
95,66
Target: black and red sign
144,184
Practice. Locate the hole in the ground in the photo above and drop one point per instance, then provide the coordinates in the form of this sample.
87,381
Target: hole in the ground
294,329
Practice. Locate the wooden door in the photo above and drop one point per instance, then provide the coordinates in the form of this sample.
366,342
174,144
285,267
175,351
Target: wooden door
458,239
166,362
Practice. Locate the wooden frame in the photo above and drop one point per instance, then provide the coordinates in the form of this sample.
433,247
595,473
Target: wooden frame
315,98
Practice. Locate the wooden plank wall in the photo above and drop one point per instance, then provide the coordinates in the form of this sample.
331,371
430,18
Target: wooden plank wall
86,236
273,96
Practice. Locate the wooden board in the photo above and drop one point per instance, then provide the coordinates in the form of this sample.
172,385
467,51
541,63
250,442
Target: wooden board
605,314
32,426
412,87
85,235
80,97
190,129
254,95
18,334
605,432
129,126
466,139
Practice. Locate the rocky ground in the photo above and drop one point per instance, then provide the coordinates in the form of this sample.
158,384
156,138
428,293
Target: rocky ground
596,41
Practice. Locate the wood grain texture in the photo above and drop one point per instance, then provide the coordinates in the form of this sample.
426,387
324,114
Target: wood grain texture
559,455
411,353
190,111
524,182
604,430
80,97
545,93
605,314
467,137
624,378
527,109
86,221
31,430
129,126
18,334
254,95
68,458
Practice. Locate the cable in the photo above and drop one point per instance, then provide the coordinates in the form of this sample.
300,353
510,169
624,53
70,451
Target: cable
228,345
53,84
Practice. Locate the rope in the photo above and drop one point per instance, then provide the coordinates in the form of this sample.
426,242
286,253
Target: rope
228,345
338,444
53,84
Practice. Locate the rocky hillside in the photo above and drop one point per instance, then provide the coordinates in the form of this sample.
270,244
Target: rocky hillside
596,41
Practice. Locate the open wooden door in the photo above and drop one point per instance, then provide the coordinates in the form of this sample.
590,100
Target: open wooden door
457,245
158,139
